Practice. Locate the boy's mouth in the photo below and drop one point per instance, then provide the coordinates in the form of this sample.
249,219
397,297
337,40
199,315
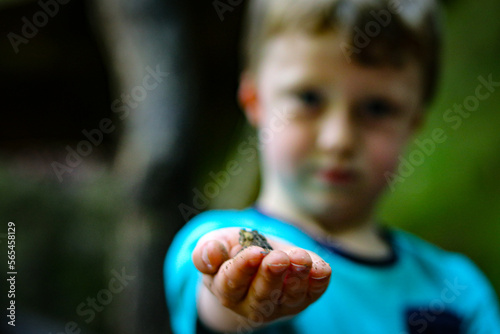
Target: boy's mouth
337,176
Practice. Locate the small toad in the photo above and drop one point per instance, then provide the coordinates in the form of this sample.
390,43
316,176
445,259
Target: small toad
254,238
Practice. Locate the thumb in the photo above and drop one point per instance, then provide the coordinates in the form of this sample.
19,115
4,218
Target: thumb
209,256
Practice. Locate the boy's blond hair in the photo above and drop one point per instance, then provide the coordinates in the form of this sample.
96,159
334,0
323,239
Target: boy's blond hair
377,32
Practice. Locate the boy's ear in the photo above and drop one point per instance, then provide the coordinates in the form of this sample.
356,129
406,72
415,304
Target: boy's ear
247,96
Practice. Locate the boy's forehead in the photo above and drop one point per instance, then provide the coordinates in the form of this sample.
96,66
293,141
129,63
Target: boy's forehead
293,41
300,49
315,50
295,59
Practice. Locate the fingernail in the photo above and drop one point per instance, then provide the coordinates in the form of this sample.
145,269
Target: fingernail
319,278
299,267
206,260
277,268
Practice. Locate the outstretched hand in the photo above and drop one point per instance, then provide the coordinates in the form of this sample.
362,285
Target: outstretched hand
255,284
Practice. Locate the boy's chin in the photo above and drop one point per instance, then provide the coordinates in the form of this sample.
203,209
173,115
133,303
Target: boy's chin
339,208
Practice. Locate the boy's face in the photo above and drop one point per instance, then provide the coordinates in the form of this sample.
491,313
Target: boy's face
330,129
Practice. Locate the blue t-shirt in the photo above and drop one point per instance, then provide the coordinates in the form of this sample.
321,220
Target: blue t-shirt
420,289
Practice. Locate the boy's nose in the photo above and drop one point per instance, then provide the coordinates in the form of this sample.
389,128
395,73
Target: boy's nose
336,133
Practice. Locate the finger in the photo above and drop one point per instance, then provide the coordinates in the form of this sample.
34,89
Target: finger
208,256
297,280
266,289
319,279
232,281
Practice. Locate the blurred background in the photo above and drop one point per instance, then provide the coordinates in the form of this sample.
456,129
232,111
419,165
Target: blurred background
119,114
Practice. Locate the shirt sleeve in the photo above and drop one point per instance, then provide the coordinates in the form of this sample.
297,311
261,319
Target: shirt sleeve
181,281
484,313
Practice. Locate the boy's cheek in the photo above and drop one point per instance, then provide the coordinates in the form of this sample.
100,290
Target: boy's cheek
384,157
289,146
282,159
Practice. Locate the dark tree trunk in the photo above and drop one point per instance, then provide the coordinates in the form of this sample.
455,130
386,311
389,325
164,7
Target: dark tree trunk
154,159
171,137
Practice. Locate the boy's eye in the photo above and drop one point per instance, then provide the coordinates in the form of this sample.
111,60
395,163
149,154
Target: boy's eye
310,99
377,108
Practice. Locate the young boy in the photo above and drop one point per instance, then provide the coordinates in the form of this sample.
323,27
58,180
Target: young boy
335,89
